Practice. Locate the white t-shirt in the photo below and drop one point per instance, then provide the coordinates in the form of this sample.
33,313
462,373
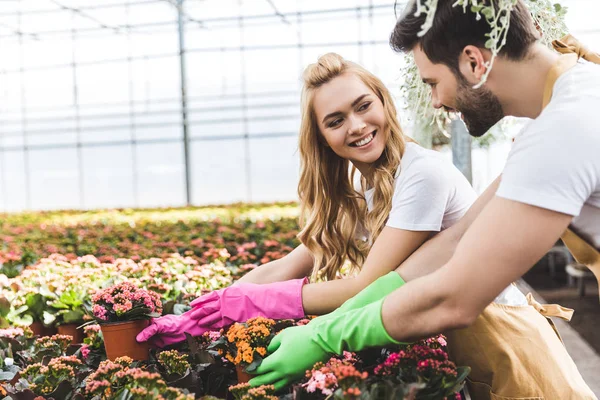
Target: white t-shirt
430,193
555,160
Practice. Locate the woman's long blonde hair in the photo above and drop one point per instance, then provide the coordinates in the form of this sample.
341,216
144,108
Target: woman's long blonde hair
332,211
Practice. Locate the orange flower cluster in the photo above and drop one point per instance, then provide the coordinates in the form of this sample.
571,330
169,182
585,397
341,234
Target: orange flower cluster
247,339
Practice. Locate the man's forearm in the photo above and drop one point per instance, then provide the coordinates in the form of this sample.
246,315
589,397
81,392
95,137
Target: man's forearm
500,246
423,308
439,250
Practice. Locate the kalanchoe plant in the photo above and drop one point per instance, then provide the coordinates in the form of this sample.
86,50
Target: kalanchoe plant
243,391
45,379
11,341
102,383
119,380
245,344
425,362
92,350
322,378
174,362
125,302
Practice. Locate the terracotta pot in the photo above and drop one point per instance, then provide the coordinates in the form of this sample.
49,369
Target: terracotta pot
71,330
40,330
119,340
242,375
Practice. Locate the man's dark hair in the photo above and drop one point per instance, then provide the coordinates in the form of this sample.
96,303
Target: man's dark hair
453,29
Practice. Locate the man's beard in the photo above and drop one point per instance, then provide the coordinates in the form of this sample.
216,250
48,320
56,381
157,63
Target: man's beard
480,108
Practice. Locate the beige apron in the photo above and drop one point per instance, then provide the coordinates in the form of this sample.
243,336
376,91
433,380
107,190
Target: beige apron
515,352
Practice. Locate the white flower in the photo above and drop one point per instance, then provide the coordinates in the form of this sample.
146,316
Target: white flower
9,361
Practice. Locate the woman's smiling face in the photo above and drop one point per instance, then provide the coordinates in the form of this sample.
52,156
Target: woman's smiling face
351,119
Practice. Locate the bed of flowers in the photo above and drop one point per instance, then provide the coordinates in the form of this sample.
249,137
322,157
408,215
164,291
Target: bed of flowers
74,290
249,234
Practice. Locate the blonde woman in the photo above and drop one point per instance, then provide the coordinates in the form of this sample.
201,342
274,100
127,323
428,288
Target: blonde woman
369,197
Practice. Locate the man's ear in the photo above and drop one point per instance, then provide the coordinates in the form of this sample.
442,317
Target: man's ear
471,63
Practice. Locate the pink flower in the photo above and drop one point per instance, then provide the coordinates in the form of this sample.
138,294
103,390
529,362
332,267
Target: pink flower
85,351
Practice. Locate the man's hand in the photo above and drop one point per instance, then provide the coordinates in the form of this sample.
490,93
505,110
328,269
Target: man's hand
292,353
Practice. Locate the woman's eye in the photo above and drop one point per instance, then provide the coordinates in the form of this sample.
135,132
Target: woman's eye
364,106
335,122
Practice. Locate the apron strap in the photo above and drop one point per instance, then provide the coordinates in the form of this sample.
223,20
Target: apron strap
569,44
550,310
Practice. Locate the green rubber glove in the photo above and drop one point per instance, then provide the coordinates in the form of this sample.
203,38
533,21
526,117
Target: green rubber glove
291,353
295,350
353,330
375,291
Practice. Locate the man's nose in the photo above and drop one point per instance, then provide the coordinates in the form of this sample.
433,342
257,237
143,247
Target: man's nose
435,101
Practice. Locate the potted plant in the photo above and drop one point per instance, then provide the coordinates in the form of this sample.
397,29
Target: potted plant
123,311
27,309
245,344
67,311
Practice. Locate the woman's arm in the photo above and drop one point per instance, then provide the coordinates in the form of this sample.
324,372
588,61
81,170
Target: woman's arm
295,265
390,249
438,251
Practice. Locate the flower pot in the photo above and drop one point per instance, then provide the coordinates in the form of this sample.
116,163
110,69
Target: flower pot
119,340
71,330
242,375
40,330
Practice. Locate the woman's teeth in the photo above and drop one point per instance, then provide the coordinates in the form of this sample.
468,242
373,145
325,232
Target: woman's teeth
364,141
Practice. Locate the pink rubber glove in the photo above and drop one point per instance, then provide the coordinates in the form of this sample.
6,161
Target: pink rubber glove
242,301
237,303
170,329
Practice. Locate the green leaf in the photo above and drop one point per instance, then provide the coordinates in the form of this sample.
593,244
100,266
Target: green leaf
6,376
36,303
25,320
4,306
73,316
255,363
179,309
489,44
488,12
59,305
122,394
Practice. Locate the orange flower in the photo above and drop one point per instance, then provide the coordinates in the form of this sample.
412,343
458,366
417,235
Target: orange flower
261,350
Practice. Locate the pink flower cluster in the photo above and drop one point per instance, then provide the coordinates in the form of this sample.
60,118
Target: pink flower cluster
326,378
11,332
111,303
212,336
428,361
